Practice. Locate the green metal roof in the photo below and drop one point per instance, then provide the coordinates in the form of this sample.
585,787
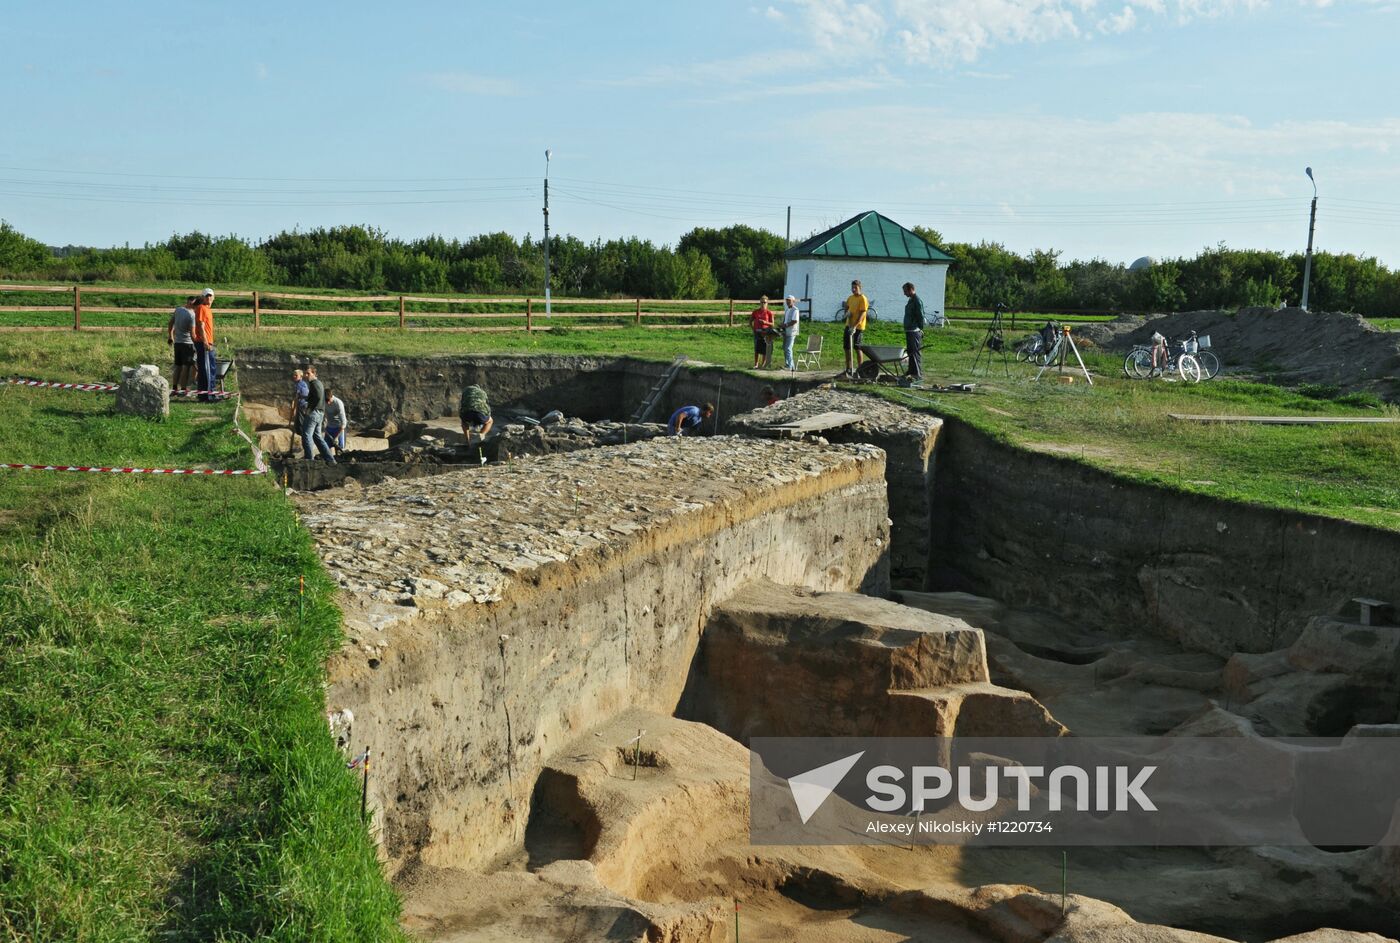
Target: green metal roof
869,236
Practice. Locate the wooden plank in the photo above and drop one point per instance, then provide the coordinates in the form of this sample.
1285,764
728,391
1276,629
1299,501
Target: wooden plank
174,292
32,308
1285,420
52,288
338,299
817,423
275,312
113,309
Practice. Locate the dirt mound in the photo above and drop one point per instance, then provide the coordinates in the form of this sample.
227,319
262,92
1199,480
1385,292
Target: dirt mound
1287,345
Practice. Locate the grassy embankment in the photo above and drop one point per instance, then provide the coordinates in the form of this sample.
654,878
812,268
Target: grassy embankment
165,766
165,770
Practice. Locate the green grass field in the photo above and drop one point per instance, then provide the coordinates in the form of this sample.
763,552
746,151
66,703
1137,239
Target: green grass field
166,772
165,768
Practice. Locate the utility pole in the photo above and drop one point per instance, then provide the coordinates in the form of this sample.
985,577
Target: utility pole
789,229
1312,224
546,234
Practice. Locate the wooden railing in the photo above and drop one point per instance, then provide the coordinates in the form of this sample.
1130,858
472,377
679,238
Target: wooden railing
280,310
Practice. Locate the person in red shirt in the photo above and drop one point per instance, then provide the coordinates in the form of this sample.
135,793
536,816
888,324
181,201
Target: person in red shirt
761,318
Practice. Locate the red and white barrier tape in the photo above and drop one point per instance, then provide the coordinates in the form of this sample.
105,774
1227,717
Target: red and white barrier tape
259,467
137,471
109,388
85,387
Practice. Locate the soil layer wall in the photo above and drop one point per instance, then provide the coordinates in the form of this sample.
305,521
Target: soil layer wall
395,389
1219,576
488,632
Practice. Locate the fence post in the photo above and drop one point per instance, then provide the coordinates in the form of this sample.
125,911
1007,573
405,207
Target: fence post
731,312
639,312
77,308
401,318
529,315
257,312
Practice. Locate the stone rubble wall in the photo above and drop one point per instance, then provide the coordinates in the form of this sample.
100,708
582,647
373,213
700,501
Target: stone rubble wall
495,613
908,439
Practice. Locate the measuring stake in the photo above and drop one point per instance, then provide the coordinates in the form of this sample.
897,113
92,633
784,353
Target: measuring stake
736,920
637,754
301,598
1064,880
364,787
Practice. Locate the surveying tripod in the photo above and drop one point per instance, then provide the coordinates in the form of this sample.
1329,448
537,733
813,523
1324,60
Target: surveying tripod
1063,345
993,342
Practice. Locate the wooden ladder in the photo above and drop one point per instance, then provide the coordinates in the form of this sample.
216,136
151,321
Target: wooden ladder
659,390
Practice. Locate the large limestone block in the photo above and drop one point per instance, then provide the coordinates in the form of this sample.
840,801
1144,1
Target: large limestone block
1364,651
783,661
143,392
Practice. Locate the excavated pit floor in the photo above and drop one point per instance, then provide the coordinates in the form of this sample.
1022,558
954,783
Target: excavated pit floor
665,855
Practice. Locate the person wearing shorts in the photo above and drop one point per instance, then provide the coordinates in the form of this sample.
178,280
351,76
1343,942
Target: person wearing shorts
856,307
475,413
179,333
761,321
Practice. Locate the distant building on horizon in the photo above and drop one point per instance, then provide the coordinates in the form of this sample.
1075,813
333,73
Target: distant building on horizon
879,252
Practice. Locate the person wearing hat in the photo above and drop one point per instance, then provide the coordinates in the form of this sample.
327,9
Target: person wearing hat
205,354
791,317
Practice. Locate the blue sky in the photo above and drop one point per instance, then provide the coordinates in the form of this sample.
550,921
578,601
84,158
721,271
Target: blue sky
1099,128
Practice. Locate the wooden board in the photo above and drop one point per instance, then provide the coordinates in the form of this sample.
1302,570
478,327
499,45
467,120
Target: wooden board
1285,420
818,423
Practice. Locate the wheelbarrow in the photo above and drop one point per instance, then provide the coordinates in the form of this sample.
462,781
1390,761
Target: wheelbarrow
881,360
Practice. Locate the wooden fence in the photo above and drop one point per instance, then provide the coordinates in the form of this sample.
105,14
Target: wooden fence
23,308
280,310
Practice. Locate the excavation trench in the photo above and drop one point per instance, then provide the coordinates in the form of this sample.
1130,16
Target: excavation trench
513,627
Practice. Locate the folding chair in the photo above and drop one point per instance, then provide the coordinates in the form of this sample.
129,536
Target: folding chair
812,356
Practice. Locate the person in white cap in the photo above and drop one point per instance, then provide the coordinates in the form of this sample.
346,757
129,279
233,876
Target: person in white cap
791,317
205,354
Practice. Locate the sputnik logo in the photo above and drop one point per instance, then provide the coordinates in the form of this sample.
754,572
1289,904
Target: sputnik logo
811,789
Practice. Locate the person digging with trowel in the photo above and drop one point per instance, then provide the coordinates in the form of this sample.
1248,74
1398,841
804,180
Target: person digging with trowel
475,413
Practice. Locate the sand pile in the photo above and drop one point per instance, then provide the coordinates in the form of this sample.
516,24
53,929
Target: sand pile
1286,345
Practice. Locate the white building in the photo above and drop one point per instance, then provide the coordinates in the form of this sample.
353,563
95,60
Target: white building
879,252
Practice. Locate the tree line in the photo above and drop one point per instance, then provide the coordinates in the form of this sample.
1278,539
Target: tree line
734,261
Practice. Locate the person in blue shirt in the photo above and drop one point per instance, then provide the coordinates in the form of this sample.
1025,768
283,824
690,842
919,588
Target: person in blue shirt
688,417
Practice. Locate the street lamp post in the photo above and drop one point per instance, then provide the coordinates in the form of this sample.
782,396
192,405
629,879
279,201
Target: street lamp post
1312,223
546,237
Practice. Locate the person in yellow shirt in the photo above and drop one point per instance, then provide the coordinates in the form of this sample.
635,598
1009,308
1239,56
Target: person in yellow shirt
856,307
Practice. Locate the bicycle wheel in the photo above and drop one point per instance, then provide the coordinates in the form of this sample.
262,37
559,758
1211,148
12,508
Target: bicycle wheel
1210,364
1023,351
1189,368
1138,364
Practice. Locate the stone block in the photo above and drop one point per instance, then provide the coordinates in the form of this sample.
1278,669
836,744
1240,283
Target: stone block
1365,651
144,392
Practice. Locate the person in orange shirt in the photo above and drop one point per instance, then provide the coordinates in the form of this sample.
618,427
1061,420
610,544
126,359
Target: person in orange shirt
205,354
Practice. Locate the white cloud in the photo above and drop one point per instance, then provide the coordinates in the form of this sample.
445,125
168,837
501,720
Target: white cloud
1033,154
1119,22
468,83
945,32
842,25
